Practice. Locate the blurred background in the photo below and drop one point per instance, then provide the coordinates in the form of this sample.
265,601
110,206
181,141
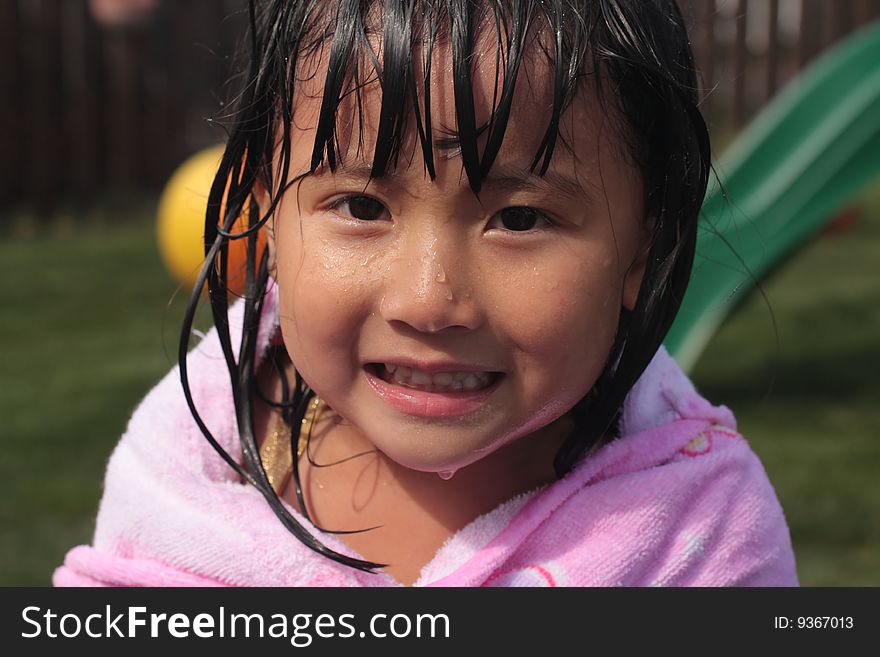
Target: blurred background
100,101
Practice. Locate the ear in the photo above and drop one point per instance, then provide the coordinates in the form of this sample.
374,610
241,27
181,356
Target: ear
632,281
261,195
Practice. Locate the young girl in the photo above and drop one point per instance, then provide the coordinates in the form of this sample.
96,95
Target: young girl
479,219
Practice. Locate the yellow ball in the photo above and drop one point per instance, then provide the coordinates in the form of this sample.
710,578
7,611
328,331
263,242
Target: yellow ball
181,215
181,223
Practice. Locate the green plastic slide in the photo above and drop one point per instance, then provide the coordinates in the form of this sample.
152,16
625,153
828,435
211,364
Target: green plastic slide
815,146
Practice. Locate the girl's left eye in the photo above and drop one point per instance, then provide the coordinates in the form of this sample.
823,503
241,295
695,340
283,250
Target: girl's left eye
519,219
363,208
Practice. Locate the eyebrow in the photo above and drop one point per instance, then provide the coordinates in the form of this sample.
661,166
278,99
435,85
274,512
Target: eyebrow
501,178
513,179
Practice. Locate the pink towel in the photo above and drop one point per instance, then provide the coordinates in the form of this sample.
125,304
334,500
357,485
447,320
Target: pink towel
679,500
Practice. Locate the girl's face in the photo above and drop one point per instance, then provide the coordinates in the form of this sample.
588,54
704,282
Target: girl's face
443,326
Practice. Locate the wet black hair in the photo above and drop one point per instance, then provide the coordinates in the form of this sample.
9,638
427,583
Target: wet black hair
634,55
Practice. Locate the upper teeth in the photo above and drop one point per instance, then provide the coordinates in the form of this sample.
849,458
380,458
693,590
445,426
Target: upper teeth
435,382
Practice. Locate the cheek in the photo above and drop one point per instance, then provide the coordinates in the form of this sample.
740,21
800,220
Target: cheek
563,316
330,289
326,293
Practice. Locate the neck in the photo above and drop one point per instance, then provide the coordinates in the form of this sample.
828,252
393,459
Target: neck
413,512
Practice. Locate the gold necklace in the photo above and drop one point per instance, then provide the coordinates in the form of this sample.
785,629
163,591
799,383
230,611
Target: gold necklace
275,450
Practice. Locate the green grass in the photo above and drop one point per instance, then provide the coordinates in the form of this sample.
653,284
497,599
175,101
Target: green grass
86,330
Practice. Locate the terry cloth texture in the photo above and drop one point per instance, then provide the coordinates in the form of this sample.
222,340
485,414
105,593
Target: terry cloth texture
678,500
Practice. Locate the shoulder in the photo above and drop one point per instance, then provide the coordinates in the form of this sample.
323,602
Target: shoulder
676,505
727,527
163,429
741,530
162,432
664,393
680,494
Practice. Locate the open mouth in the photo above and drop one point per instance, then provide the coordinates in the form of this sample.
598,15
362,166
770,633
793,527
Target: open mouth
448,382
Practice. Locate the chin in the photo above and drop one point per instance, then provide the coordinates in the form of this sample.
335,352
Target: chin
436,463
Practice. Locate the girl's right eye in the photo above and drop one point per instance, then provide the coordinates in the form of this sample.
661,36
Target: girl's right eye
362,208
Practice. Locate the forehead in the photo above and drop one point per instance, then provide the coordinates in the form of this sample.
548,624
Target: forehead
586,132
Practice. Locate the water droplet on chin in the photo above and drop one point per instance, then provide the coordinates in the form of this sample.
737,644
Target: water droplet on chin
441,274
446,475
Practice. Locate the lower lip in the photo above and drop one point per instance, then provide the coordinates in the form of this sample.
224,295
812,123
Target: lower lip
422,403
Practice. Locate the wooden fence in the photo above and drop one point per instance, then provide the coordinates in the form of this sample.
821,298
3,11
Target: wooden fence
86,108
747,50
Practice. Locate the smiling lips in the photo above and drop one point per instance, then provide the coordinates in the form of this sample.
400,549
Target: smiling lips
432,394
436,382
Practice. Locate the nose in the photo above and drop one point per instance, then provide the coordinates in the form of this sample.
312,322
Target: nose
429,287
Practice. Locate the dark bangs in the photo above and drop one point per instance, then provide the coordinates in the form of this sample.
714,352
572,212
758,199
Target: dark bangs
392,44
635,56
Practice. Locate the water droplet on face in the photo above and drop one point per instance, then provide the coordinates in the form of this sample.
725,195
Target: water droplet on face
446,475
441,274
368,260
449,295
